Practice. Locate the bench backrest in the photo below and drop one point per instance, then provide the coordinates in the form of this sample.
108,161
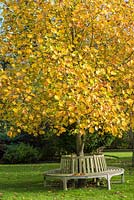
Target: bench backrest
82,164
100,163
66,164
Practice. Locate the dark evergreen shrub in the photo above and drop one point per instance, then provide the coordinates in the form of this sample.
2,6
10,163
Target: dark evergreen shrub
21,153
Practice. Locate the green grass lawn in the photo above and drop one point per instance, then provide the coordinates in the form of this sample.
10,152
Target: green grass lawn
119,154
25,182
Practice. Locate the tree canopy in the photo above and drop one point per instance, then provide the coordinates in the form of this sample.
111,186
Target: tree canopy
69,62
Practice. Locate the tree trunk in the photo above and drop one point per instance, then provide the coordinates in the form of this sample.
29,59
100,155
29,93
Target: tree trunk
131,138
80,142
132,148
133,158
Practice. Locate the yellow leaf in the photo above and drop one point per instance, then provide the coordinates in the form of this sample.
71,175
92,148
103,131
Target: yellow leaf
131,84
82,126
28,98
28,90
91,130
61,130
48,80
19,130
80,56
10,133
114,130
44,102
56,97
19,52
130,102
71,121
82,131
18,73
31,117
3,76
28,51
40,40
15,110
36,108
61,104
41,132
71,108
29,35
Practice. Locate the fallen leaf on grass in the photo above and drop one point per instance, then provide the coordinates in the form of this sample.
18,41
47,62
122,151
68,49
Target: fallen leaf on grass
118,192
123,196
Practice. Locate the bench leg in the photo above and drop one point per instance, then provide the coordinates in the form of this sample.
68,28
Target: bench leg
122,178
64,183
45,181
108,182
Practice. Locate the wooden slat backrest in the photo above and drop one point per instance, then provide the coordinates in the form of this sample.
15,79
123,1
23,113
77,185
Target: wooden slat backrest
89,164
66,164
82,164
99,163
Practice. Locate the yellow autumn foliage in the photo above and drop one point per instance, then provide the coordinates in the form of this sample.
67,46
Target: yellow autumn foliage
70,62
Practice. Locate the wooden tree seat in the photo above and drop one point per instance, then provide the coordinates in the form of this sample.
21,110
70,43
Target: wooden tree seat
84,167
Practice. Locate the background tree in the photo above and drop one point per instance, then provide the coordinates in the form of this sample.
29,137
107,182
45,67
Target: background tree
131,135
71,64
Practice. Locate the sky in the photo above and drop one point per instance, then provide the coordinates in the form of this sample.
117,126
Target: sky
1,17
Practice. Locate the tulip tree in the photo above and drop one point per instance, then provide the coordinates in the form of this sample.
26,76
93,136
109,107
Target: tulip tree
70,63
